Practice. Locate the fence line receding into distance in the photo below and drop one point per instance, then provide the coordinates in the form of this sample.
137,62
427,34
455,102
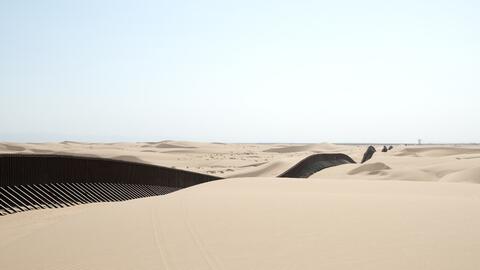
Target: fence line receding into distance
30,182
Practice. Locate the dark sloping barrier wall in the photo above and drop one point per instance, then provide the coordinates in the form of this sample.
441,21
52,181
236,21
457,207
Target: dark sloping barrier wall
315,163
41,169
30,182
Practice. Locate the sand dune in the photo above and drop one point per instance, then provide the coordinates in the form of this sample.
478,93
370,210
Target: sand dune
467,175
423,214
470,157
370,168
422,163
295,167
167,145
180,152
273,168
41,151
72,180
73,142
290,149
437,151
411,164
11,147
301,148
261,223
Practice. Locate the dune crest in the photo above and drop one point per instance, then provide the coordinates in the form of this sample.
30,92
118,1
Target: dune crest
11,147
471,175
437,151
273,168
370,168
261,223
168,145
301,148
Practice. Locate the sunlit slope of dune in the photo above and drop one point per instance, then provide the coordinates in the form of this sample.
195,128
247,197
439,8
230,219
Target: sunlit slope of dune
258,223
449,164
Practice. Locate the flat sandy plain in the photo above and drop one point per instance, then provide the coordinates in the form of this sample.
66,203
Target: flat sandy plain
414,207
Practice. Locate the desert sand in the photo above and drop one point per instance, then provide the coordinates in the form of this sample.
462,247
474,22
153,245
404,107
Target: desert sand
414,207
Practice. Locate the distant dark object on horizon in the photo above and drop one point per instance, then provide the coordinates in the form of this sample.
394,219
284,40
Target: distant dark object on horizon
384,149
368,154
390,147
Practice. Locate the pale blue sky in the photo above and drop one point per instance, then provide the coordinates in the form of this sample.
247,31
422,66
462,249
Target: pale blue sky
243,71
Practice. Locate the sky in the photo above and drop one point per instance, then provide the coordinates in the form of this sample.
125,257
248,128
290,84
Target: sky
240,71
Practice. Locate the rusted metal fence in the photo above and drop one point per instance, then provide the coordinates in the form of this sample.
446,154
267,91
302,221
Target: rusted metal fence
30,182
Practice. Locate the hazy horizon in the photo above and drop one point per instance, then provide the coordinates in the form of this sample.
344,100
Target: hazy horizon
274,71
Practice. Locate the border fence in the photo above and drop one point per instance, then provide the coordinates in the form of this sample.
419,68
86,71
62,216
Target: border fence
30,182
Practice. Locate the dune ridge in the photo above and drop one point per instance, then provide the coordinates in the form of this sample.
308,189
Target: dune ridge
437,151
420,213
300,148
370,168
318,223
471,175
